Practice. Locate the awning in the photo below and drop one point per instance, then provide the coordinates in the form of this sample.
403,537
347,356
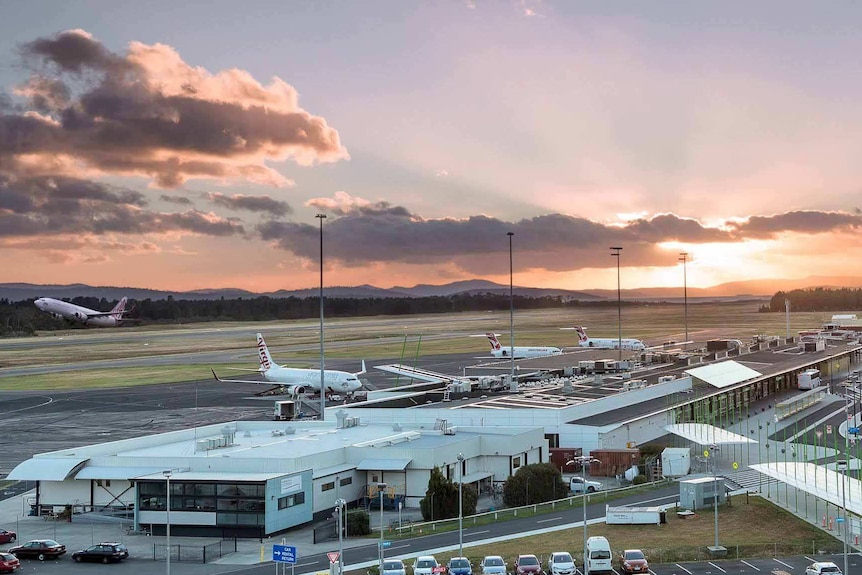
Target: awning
477,476
215,476
723,374
383,464
832,486
96,472
46,468
704,434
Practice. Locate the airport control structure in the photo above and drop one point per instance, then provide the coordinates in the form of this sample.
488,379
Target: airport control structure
256,478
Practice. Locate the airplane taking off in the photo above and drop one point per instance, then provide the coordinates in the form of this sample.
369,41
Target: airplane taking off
497,350
297,380
607,342
79,314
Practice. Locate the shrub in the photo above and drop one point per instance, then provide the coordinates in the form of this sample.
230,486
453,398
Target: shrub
639,480
358,523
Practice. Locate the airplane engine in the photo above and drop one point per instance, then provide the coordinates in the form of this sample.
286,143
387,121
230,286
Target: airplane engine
57,315
80,316
295,390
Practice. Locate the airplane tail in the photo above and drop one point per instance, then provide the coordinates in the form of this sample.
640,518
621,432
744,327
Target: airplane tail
495,344
582,335
120,309
358,373
263,354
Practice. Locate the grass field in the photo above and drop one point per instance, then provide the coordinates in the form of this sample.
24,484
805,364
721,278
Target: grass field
749,527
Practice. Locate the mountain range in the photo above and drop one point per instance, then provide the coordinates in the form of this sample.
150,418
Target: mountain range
757,289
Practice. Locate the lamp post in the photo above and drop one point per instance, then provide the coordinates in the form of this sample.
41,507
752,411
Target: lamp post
513,386
381,487
339,508
584,460
460,506
616,253
684,258
713,450
167,473
322,217
841,465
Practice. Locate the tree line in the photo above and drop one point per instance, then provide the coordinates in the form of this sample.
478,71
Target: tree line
21,318
816,299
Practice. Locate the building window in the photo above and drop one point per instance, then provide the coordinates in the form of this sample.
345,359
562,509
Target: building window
328,486
291,500
516,462
346,481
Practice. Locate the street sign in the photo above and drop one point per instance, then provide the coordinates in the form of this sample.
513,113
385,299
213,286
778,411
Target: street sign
735,465
333,556
706,452
853,430
828,429
284,554
839,520
384,544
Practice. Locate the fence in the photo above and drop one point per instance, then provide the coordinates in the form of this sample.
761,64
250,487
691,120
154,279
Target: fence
195,553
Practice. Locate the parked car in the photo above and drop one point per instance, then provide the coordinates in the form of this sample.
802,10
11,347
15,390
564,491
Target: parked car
7,536
598,555
394,567
493,565
40,549
459,566
560,563
425,565
8,563
102,553
527,565
633,561
822,567
576,484
124,551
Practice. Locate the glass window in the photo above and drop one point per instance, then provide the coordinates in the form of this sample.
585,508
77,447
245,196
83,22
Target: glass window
346,481
226,490
205,503
227,504
204,489
328,486
226,518
151,488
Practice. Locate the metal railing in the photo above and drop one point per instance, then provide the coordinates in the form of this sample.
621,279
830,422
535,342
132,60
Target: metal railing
195,553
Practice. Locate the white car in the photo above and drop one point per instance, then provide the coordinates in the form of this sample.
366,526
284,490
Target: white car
822,567
493,565
577,485
560,563
425,565
394,567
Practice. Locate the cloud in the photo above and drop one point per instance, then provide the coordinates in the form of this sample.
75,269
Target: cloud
803,222
148,113
343,204
251,203
179,200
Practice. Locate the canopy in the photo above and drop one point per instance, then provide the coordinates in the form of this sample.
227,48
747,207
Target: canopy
723,374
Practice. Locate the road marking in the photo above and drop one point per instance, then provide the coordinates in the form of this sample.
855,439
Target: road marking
305,564
749,564
477,533
683,568
397,547
716,566
783,563
551,519
810,559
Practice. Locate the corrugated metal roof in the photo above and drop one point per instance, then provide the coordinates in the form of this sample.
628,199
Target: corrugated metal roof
477,476
383,464
705,434
325,471
214,476
46,468
96,472
723,374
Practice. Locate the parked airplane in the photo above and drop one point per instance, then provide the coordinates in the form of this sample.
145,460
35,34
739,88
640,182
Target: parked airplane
79,314
607,342
297,380
497,349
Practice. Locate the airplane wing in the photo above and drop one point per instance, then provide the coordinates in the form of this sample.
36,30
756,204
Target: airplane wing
264,382
417,373
669,345
107,313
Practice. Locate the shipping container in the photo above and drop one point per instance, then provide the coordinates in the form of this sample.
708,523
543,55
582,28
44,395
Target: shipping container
634,515
561,455
613,461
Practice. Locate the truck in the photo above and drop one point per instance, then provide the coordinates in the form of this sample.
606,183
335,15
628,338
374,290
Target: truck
284,410
809,379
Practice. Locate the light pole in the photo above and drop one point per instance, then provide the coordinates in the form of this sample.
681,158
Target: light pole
339,508
713,450
381,487
322,217
684,258
460,506
584,460
841,465
513,386
616,254
167,473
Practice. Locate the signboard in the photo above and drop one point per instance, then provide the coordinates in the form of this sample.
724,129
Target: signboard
384,544
853,430
333,556
828,429
284,554
291,484
735,465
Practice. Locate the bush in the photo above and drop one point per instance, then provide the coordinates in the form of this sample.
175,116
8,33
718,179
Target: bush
358,523
639,480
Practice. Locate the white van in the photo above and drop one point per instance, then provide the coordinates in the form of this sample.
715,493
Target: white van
598,555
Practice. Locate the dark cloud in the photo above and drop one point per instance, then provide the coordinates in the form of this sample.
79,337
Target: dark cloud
343,204
146,112
179,200
58,206
803,222
251,203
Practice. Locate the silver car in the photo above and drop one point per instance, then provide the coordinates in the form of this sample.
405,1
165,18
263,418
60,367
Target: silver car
393,567
493,565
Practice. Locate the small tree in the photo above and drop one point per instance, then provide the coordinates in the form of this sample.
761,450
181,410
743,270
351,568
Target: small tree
358,523
441,498
534,483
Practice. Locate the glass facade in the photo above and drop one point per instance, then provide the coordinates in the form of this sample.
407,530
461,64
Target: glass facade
233,503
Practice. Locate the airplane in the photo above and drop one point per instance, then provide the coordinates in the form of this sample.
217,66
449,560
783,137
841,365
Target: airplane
297,380
497,350
607,342
79,314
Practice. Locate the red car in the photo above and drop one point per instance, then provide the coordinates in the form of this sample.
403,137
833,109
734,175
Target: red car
633,561
8,563
7,536
527,565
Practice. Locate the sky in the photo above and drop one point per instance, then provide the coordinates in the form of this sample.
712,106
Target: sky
188,145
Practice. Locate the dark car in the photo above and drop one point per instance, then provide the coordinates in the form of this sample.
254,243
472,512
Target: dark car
102,553
7,536
40,549
124,551
8,563
527,565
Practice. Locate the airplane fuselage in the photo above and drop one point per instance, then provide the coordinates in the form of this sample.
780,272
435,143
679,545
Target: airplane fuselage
76,313
526,352
608,343
334,381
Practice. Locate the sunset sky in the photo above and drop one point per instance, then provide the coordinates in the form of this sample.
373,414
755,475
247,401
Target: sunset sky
183,145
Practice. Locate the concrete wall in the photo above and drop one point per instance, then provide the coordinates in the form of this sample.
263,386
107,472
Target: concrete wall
177,518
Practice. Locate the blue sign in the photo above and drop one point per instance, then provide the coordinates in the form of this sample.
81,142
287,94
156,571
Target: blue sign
284,554
853,430
840,520
384,544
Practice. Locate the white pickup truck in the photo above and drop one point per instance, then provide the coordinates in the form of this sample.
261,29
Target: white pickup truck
576,484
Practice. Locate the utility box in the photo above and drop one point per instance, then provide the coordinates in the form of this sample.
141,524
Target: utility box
285,410
699,493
